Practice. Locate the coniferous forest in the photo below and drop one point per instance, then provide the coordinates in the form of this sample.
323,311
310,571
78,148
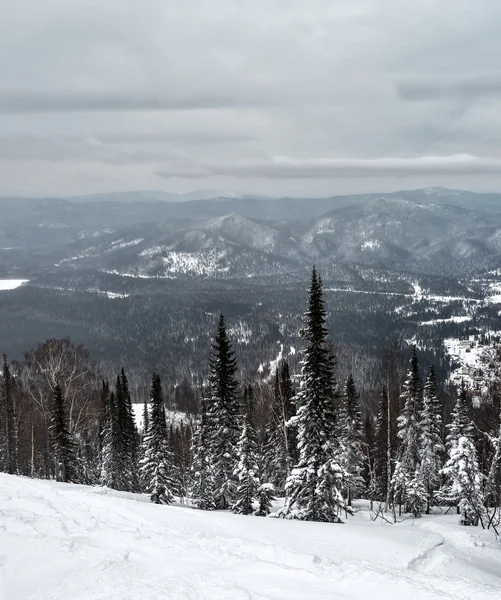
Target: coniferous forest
308,437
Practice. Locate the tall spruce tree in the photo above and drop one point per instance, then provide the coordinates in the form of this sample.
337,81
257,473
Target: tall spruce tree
431,448
131,436
461,423
224,415
351,441
461,427
465,482
314,486
202,478
156,463
382,449
63,445
9,416
408,460
247,469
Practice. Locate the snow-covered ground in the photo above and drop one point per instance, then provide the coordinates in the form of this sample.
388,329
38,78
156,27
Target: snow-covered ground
173,417
60,541
11,284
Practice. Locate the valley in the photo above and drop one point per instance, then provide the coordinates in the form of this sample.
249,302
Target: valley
141,281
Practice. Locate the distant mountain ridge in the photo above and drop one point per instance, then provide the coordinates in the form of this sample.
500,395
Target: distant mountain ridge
420,234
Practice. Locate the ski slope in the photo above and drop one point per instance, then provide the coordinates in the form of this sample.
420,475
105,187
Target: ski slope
62,542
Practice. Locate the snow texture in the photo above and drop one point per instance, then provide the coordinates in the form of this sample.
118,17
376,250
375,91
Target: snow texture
61,541
11,284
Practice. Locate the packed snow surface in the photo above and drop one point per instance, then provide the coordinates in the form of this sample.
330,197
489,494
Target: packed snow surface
61,541
11,284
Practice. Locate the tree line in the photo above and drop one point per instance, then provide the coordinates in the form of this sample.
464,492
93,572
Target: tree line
305,437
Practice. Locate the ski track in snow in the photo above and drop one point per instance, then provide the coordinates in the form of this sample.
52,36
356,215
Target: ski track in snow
60,541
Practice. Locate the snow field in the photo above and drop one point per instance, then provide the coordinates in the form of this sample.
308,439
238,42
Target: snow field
62,541
11,284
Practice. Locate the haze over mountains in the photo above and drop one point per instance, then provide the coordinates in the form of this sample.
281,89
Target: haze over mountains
145,235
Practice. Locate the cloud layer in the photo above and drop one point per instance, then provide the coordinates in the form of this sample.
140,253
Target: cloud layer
269,96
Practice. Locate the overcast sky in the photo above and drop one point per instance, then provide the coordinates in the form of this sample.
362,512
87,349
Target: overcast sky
265,96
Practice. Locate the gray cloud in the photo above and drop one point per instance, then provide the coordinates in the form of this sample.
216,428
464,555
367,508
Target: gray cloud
287,167
106,95
124,102
434,88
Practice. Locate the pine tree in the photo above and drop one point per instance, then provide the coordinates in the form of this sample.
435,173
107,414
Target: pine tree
431,448
224,408
247,470
146,417
314,486
63,445
461,422
131,437
408,460
351,442
109,453
460,427
202,486
9,416
156,464
382,449
465,482
265,498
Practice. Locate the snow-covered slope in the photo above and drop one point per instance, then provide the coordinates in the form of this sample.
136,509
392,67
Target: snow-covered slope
60,541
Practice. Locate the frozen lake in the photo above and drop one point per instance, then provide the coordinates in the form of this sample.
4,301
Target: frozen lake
11,284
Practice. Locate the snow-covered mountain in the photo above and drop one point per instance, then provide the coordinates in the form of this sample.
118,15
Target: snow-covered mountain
422,235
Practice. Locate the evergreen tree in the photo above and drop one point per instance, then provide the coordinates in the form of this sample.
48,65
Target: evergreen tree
9,433
131,436
265,498
247,470
460,427
408,461
465,482
223,414
202,487
63,445
156,464
382,449
431,448
146,417
109,454
461,423
314,486
351,442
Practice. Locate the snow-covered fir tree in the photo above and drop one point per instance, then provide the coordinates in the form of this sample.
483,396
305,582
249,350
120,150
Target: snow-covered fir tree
461,426
408,460
280,447
265,499
224,414
247,469
465,481
382,449
351,441
130,434
8,421
202,475
63,445
461,423
119,462
431,448
315,486
156,463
